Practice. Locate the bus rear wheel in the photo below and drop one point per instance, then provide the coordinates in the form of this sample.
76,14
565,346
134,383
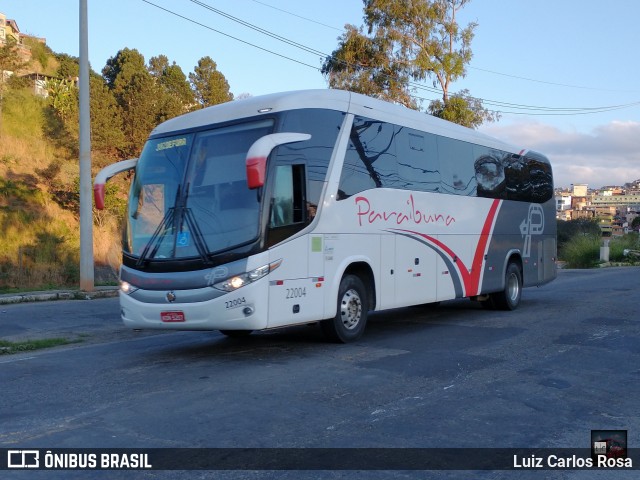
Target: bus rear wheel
351,316
509,298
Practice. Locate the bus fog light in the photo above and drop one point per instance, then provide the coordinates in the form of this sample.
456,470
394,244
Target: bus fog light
248,311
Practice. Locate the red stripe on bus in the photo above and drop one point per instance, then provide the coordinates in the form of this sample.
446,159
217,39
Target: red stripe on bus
470,279
476,266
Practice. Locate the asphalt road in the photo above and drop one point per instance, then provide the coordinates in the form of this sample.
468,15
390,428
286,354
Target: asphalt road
566,362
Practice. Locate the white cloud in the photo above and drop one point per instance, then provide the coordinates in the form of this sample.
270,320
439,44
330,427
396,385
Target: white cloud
608,155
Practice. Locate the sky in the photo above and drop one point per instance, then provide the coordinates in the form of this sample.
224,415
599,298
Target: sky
563,73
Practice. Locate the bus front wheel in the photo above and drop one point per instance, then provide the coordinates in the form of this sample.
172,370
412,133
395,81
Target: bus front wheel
351,316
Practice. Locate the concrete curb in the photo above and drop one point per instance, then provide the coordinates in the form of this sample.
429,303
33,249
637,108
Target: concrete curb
105,292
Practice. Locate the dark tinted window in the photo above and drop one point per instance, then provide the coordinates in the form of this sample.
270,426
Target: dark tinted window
456,166
315,153
489,171
370,161
513,177
418,166
540,176
383,155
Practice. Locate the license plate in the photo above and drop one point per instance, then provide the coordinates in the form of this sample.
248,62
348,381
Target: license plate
172,317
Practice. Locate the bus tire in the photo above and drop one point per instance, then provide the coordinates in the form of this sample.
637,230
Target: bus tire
351,315
509,298
236,333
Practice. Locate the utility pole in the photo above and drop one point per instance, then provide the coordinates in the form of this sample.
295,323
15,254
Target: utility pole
86,201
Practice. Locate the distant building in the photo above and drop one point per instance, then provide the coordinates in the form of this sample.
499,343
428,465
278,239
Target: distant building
580,190
624,200
563,201
613,207
585,214
39,82
8,30
579,203
610,191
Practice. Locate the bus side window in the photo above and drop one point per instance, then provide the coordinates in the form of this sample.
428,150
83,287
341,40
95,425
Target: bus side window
456,167
371,160
288,201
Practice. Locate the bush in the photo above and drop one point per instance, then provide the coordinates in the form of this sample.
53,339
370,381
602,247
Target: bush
582,251
618,245
569,229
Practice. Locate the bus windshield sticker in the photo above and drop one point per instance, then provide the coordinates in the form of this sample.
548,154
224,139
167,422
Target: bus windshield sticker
183,239
178,142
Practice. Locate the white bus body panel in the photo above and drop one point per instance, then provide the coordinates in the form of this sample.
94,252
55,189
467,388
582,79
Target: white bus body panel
296,287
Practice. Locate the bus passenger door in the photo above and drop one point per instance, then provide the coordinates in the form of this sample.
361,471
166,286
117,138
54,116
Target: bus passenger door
294,294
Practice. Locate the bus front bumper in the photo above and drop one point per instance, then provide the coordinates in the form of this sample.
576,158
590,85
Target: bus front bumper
244,309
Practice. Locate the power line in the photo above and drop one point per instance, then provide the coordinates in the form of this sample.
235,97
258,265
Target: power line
555,110
547,82
493,72
230,36
299,16
529,109
257,29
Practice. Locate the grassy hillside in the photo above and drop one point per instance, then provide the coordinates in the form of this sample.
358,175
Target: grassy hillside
39,206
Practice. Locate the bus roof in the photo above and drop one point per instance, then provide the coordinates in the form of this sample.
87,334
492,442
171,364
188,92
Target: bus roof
331,99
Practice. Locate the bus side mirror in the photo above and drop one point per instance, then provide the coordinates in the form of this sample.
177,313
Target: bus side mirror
259,152
105,174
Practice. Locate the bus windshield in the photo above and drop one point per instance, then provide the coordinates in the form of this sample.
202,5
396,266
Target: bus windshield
190,198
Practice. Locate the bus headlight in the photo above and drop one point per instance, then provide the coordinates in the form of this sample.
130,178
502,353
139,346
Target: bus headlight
234,283
126,287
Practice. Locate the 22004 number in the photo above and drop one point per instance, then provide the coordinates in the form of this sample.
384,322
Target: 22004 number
236,302
296,292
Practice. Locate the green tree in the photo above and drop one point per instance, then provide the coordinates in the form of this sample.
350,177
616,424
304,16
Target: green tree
176,94
366,65
635,223
68,66
61,124
40,53
121,67
409,41
581,227
106,119
63,97
462,109
209,85
136,92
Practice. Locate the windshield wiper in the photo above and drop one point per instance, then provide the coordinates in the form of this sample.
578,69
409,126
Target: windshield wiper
174,219
156,239
198,237
185,213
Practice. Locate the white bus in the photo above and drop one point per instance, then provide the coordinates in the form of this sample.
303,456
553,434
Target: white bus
322,206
